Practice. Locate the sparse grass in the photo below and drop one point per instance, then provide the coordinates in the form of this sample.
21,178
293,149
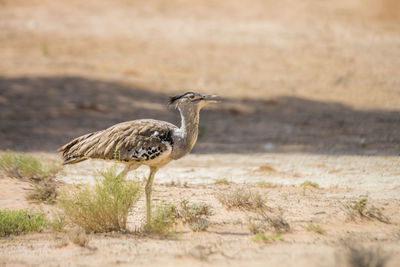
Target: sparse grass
315,228
241,198
252,201
363,209
44,190
78,236
267,238
257,226
58,222
266,184
311,184
20,165
360,206
105,207
308,184
267,222
162,221
15,222
278,223
195,215
221,181
358,256
199,225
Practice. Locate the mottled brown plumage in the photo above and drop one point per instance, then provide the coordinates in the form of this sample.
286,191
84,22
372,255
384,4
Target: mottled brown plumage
131,141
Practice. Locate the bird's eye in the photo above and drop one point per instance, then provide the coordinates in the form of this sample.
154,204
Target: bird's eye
191,96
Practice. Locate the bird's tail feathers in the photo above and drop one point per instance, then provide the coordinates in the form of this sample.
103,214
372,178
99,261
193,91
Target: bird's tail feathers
73,160
69,151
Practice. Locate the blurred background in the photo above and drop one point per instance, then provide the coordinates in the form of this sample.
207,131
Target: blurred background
313,76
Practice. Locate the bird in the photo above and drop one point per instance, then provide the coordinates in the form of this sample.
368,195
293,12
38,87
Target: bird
149,142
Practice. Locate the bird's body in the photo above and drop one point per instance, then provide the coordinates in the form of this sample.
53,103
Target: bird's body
147,142
143,142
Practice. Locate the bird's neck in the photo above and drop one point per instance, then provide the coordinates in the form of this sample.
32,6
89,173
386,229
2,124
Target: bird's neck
186,136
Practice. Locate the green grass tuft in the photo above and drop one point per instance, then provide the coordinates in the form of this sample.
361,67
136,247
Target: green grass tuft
104,208
267,238
360,206
266,184
315,228
15,222
221,181
309,183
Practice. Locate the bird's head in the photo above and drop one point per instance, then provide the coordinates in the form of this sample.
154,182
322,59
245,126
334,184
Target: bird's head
193,99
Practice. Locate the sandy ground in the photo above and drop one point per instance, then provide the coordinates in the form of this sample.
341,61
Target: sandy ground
228,241
312,92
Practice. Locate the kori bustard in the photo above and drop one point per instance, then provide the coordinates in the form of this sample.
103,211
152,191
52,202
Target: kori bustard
143,142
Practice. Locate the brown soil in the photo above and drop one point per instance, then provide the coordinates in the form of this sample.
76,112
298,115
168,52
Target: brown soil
312,92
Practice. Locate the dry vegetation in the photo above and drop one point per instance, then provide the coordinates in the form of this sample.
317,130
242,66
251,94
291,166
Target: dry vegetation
24,166
195,215
241,198
263,220
363,209
29,168
103,208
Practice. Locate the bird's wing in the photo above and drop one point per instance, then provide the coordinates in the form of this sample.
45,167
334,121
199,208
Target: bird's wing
138,140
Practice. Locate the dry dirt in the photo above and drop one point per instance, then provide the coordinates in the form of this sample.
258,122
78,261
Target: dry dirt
343,180
312,92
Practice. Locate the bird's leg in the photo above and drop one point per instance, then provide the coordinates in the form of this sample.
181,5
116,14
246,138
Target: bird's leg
148,189
128,167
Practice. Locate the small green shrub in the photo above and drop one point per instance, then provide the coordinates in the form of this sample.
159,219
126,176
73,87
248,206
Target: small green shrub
15,222
221,181
104,208
162,221
267,238
315,228
20,165
241,198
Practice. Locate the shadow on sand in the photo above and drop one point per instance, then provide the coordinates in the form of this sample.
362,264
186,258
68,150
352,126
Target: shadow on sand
43,113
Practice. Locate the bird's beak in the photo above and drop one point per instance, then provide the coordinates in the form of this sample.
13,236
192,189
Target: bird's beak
212,99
